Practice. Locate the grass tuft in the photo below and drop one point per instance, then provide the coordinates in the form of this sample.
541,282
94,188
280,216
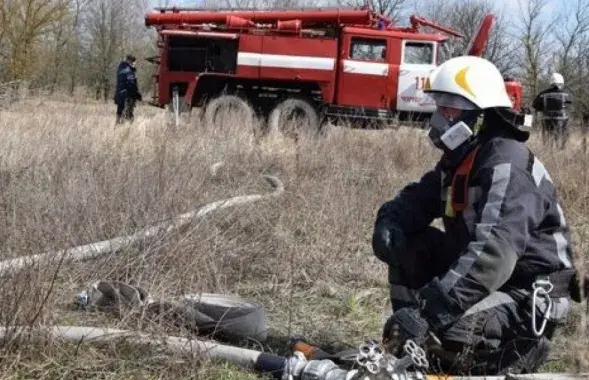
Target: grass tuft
69,176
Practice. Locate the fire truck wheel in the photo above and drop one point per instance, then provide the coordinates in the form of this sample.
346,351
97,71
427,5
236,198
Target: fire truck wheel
232,108
293,116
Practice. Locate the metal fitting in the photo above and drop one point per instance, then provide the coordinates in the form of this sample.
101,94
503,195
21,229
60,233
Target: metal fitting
294,366
320,369
83,299
373,361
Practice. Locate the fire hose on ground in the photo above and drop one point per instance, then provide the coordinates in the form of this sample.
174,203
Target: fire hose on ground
370,360
373,363
284,368
97,249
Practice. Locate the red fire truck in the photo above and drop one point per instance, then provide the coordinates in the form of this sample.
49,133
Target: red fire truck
319,63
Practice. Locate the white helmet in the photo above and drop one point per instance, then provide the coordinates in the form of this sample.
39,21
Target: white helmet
469,84
474,78
557,79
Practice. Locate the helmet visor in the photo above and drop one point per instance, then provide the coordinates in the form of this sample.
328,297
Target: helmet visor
452,101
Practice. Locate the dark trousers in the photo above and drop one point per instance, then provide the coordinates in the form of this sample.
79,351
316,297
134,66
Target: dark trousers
555,131
125,110
493,337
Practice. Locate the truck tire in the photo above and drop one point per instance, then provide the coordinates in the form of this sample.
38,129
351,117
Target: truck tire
244,115
279,123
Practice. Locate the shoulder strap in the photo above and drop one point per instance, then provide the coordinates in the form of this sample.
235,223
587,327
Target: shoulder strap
531,159
459,188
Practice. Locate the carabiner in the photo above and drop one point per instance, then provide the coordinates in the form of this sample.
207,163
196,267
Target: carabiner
542,288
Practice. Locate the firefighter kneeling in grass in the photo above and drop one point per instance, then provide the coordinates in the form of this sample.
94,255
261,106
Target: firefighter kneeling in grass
471,288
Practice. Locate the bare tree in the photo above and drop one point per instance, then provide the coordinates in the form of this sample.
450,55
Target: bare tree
533,35
465,17
292,4
501,48
579,88
392,9
232,3
104,22
571,54
572,26
111,29
24,24
66,43
261,4
62,47
6,9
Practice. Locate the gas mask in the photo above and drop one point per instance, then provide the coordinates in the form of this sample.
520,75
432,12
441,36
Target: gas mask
448,134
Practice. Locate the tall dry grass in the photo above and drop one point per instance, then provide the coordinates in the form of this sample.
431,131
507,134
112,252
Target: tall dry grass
70,176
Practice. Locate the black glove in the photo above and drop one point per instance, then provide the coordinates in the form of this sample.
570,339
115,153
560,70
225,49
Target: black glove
387,240
406,323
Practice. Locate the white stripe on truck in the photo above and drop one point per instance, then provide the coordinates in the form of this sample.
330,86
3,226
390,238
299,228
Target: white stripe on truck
285,61
310,63
366,68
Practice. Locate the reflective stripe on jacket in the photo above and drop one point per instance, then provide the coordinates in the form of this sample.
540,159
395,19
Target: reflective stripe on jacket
511,230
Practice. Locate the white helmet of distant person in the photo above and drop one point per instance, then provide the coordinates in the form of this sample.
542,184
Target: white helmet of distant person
466,85
557,79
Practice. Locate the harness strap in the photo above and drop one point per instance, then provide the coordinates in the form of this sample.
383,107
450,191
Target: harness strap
458,191
564,283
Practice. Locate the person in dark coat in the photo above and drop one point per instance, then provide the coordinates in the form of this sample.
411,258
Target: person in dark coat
553,102
126,92
468,293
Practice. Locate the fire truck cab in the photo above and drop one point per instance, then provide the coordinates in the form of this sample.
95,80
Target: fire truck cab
385,70
344,63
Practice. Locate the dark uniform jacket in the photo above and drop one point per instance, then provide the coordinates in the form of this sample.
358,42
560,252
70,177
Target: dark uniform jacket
126,87
511,230
552,102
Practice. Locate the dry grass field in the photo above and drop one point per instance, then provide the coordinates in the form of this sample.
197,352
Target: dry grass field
69,176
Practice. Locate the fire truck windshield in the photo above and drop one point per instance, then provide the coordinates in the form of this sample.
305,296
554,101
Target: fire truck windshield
419,53
444,53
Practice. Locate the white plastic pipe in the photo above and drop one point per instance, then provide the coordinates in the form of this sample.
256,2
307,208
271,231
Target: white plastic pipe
240,356
92,250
